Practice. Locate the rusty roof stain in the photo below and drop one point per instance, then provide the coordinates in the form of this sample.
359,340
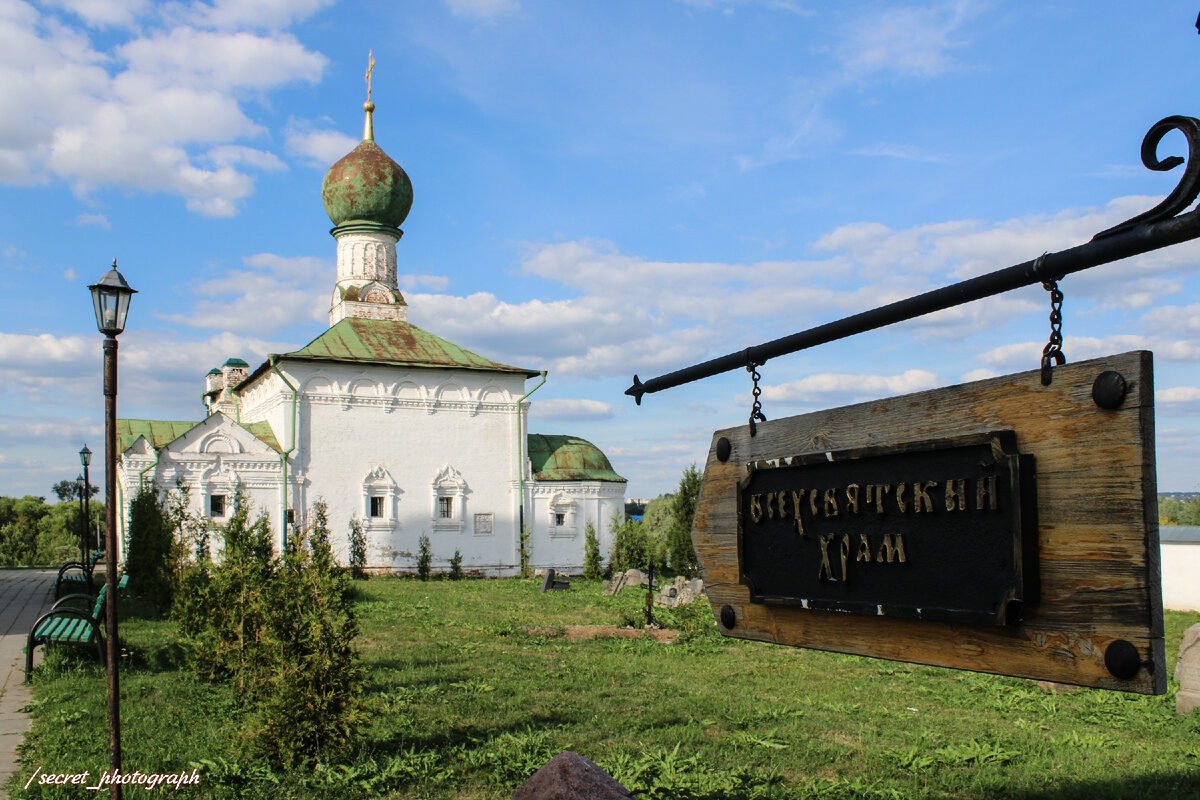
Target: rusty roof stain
568,458
396,343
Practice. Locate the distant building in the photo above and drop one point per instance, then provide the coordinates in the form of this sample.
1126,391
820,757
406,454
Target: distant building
387,423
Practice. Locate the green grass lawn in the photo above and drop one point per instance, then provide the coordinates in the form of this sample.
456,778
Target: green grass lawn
467,703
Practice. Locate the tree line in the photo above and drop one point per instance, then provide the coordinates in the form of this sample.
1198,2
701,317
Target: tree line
1177,511
34,533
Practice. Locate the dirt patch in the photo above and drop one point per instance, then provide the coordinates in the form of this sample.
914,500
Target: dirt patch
582,633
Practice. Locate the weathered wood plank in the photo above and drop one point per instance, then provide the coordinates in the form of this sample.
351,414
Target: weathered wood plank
1097,535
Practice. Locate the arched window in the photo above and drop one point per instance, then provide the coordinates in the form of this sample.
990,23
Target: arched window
449,497
562,517
380,497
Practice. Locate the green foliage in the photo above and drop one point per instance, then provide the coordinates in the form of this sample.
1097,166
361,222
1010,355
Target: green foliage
456,570
631,548
593,564
71,490
35,534
358,551
424,557
310,705
1177,511
149,557
681,555
523,551
280,630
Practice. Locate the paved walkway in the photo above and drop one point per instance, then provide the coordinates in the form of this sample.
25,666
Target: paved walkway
24,595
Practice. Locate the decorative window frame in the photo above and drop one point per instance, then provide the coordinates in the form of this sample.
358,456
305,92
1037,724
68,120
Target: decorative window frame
448,483
379,483
561,504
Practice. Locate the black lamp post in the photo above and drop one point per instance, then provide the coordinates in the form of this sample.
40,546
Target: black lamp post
81,487
85,458
111,296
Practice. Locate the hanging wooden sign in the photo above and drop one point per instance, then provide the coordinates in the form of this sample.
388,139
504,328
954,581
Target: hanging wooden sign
1000,526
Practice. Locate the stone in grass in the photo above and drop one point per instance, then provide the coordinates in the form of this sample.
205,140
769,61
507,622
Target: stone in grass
570,776
1187,671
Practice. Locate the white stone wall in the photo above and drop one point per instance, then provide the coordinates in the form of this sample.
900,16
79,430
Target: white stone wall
579,502
1181,575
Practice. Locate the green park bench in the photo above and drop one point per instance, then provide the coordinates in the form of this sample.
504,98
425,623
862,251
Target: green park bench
78,576
71,625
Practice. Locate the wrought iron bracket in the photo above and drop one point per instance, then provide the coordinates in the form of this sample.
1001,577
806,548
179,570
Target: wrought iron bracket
1166,224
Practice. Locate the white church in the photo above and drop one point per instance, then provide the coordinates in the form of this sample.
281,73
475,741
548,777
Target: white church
387,423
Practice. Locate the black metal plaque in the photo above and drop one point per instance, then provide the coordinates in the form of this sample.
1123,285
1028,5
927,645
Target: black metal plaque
942,530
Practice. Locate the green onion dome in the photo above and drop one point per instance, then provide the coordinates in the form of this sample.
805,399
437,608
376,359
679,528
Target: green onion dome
367,185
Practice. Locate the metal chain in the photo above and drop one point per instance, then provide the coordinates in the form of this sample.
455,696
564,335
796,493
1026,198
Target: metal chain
1052,354
756,411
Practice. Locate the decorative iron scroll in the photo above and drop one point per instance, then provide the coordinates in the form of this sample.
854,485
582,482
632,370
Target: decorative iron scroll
1166,224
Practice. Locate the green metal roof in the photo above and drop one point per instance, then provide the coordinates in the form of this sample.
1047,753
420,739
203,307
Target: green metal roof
235,362
375,341
160,433
157,432
262,431
568,458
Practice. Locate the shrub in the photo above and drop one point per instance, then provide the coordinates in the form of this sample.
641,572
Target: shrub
424,557
358,551
593,565
456,570
631,547
310,707
148,560
526,533
681,554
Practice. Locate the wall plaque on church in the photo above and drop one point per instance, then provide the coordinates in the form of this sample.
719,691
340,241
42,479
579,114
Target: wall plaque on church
1001,526
941,529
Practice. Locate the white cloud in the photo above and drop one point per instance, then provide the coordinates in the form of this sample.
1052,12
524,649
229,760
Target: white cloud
1028,355
571,409
318,148
269,294
104,13
907,42
1178,394
483,9
255,13
829,388
69,274
436,283
99,220
160,112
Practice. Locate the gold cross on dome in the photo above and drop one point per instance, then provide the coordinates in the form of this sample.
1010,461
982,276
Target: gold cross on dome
370,69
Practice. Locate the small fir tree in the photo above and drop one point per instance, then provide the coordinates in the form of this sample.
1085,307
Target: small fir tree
424,557
456,570
148,561
681,554
524,551
358,551
593,564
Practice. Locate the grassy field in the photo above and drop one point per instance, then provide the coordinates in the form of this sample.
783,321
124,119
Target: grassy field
474,685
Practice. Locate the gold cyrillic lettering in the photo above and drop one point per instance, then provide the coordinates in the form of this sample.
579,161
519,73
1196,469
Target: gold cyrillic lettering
797,499
826,570
956,492
770,504
901,488
985,487
831,506
845,554
893,547
864,548
756,513
812,501
852,498
921,494
880,493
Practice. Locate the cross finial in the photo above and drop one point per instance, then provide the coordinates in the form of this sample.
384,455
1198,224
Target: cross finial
370,69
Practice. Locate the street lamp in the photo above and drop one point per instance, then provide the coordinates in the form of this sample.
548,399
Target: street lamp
110,296
80,487
85,458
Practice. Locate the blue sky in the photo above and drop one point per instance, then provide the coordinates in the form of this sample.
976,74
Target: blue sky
600,189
